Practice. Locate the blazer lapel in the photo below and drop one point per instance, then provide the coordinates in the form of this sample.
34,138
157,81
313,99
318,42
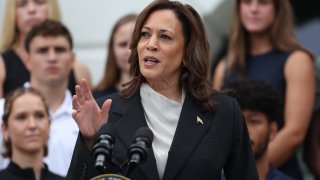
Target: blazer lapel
192,126
132,119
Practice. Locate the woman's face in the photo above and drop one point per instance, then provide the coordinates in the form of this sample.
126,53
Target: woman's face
161,47
257,16
28,124
30,13
121,43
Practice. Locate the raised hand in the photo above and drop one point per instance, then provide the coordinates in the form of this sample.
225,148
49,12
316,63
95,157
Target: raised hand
88,114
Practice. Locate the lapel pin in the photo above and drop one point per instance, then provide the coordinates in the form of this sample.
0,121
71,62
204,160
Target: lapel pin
199,120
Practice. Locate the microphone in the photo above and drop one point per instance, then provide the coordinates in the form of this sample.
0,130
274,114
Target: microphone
137,152
102,150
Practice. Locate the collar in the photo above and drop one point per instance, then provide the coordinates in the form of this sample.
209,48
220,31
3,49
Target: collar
26,173
65,107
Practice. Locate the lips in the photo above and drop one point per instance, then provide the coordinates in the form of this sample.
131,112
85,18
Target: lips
150,60
52,69
33,21
33,137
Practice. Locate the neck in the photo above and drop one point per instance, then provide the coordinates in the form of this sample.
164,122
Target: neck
260,44
124,78
168,89
19,47
262,166
54,94
30,160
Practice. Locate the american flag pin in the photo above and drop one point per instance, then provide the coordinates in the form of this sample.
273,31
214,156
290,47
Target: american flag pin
199,120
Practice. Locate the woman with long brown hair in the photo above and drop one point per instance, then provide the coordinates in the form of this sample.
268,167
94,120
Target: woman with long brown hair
117,68
262,46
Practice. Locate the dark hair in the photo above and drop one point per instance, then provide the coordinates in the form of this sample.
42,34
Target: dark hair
195,74
112,71
256,95
9,100
48,28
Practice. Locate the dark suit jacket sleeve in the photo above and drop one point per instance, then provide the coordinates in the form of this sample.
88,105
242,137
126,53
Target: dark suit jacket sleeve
240,163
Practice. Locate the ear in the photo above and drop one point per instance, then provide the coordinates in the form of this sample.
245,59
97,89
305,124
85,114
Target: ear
273,127
5,132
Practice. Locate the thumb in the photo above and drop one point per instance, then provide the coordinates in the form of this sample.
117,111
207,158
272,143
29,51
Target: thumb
105,108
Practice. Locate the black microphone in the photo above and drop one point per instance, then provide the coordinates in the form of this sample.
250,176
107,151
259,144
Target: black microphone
102,150
137,152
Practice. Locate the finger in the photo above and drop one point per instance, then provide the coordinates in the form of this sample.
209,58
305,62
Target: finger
86,90
74,116
105,108
75,103
79,94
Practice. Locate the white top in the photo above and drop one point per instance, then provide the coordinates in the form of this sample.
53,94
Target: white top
62,138
162,115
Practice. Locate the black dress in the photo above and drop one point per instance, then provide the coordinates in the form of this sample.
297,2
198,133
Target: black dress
17,73
14,172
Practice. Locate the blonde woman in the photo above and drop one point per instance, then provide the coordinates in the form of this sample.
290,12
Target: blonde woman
20,16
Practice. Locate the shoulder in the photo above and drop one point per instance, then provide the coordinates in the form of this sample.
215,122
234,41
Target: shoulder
299,61
2,70
226,105
300,54
219,74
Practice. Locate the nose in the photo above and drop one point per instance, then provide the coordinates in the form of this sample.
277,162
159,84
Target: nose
254,6
32,123
31,6
153,43
52,55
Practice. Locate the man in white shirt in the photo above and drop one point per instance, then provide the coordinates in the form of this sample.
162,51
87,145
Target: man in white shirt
50,60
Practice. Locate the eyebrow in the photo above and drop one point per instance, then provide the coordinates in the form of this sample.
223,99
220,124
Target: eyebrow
161,30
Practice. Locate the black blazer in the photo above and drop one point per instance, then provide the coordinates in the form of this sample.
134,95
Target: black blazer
198,151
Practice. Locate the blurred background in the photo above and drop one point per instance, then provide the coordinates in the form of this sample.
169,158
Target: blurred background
90,23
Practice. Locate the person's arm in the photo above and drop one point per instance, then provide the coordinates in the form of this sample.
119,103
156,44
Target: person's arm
219,75
2,75
82,72
312,146
240,163
299,98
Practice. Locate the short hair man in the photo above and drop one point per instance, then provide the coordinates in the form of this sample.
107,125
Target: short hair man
50,60
260,105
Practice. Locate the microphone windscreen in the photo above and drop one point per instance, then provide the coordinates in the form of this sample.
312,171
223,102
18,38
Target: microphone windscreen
144,132
107,128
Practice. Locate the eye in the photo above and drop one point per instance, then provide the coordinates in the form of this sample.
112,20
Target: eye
145,34
40,115
40,1
42,50
246,1
60,49
21,3
166,37
123,44
21,117
264,2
